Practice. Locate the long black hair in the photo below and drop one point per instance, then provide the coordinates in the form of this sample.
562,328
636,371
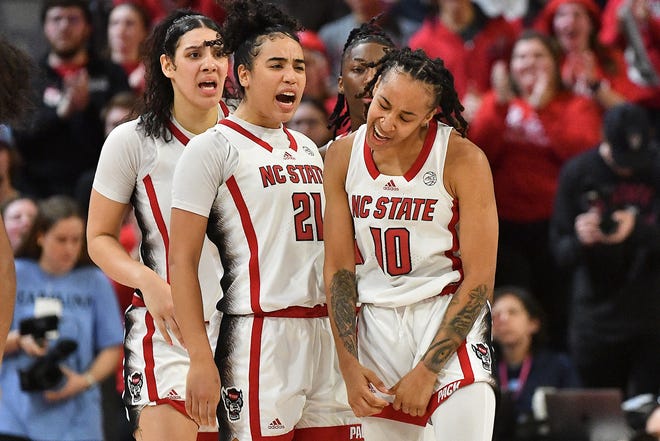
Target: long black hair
429,71
158,99
247,23
369,32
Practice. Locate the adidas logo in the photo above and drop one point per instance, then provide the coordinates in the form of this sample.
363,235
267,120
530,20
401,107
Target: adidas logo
276,424
288,156
173,395
391,186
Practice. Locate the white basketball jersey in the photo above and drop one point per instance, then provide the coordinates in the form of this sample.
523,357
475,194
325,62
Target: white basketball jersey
138,170
262,190
405,226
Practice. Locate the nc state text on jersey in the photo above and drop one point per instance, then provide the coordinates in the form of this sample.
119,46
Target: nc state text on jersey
399,208
294,173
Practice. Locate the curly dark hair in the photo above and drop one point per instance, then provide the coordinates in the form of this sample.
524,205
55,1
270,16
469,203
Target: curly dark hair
156,104
369,32
430,71
246,25
16,70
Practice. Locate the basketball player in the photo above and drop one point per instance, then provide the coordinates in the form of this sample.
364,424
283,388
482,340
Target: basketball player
187,67
411,199
15,74
256,189
364,46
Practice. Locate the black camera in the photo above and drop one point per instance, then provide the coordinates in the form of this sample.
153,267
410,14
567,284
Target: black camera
600,198
38,327
608,225
45,372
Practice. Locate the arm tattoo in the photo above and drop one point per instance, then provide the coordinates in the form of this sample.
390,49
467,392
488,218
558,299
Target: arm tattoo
343,289
459,326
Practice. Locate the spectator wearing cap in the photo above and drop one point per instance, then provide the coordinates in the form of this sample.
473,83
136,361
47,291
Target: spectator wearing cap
9,163
606,229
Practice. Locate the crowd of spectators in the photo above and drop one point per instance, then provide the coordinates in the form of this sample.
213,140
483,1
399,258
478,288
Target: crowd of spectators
550,90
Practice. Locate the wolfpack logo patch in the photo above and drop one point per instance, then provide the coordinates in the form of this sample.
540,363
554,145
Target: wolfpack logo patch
482,352
134,383
232,398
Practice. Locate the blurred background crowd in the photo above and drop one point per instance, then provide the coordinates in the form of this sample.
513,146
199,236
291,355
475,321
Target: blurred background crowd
563,96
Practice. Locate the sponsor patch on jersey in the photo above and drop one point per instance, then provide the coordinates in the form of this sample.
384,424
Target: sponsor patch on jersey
232,398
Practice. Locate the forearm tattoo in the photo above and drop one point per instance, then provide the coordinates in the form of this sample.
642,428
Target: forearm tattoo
440,351
343,290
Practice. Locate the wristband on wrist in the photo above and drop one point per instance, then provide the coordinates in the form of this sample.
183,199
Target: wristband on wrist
89,378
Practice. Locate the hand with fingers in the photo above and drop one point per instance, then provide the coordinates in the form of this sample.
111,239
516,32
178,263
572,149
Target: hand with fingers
360,384
625,224
75,384
157,297
587,227
202,391
30,346
414,390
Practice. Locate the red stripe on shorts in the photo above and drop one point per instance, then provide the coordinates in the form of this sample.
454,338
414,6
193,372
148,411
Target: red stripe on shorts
333,433
438,397
148,354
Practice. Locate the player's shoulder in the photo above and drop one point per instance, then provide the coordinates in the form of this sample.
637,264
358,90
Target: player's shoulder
127,128
463,152
209,139
339,151
125,136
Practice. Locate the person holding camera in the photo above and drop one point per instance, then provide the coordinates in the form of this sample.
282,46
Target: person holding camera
606,229
66,334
